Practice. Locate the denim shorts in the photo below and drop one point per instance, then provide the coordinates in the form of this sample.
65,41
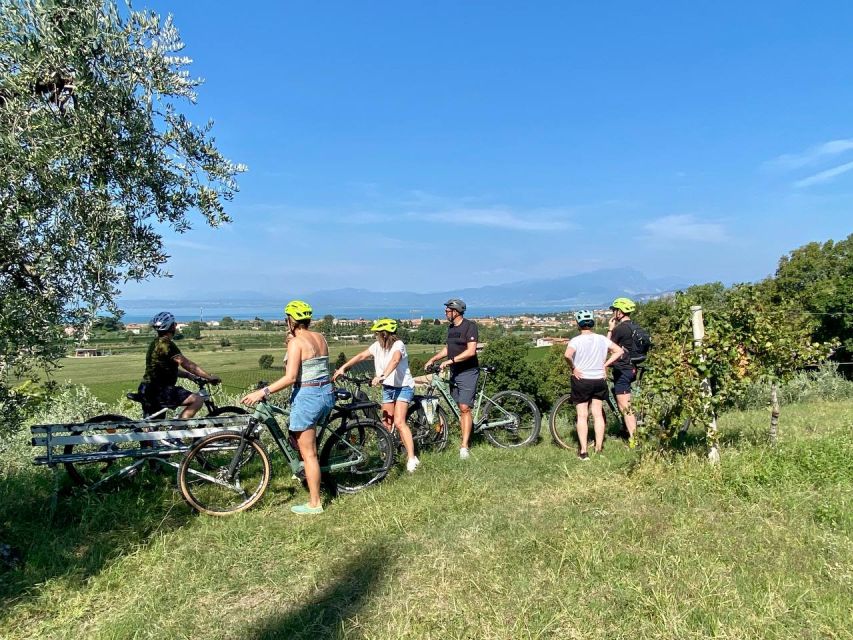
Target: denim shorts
463,386
310,406
397,394
622,379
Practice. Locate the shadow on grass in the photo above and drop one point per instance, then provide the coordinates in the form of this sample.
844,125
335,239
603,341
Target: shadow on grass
86,532
321,618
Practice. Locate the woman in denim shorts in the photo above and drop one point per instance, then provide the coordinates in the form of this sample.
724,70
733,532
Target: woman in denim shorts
311,401
398,386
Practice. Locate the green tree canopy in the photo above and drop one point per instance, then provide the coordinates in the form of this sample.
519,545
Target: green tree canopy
818,279
96,157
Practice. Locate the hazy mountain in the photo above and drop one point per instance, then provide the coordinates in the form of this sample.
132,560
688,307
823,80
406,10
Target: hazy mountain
595,289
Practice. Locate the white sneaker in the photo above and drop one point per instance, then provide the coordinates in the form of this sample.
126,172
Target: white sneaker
412,464
463,453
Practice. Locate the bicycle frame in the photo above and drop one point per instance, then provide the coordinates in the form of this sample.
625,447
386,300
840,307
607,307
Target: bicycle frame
480,422
265,415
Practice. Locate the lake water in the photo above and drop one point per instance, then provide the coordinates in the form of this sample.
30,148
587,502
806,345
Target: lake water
138,312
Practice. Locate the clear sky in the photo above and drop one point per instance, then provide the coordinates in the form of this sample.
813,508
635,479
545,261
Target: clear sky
431,145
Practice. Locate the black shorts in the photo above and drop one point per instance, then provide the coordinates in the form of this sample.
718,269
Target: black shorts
585,390
167,396
622,379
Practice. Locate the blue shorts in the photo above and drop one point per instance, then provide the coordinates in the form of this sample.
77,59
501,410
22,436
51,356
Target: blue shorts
463,386
397,394
622,379
310,406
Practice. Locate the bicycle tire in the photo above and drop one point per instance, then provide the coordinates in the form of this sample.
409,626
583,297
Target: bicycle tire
426,436
523,415
85,474
209,460
365,439
563,423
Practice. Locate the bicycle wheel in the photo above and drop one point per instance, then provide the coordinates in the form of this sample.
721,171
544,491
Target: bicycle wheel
511,419
86,474
428,436
224,473
363,449
563,423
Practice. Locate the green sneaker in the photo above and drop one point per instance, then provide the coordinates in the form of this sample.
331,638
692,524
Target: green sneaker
306,509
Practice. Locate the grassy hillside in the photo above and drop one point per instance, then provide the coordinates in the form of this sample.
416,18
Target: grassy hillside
110,377
510,544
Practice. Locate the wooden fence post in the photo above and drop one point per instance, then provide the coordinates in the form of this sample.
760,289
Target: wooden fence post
698,323
774,413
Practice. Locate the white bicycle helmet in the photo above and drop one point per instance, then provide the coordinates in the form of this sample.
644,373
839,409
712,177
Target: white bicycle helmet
163,321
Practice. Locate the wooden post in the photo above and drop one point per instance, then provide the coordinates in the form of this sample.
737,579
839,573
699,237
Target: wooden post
774,413
698,322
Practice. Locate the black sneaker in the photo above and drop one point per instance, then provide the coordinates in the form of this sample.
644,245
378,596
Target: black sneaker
583,456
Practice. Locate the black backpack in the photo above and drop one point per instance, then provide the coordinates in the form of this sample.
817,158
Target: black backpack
641,343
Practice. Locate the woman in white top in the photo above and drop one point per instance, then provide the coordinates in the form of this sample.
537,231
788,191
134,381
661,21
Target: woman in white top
398,386
587,355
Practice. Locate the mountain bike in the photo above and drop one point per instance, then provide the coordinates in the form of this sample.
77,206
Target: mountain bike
426,419
229,472
508,418
96,470
563,417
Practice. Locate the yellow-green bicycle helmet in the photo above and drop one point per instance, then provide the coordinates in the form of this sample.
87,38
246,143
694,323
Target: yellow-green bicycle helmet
298,310
625,305
385,324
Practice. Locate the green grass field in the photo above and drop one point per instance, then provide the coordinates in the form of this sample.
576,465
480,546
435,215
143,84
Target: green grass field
110,377
509,544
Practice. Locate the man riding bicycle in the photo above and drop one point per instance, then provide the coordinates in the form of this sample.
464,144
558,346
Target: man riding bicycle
163,364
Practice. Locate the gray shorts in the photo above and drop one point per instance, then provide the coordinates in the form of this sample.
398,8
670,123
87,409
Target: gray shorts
463,386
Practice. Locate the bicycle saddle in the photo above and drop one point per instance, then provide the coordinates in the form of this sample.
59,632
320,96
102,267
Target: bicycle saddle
136,397
489,368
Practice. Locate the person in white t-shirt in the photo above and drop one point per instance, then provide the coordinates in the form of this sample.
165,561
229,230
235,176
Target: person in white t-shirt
398,386
587,354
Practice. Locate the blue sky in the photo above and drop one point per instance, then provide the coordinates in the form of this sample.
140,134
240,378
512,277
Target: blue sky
422,146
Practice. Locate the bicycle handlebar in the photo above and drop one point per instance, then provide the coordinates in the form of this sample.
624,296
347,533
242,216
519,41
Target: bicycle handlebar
358,381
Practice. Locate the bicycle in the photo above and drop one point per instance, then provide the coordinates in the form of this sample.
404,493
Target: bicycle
97,472
427,421
229,472
563,417
508,419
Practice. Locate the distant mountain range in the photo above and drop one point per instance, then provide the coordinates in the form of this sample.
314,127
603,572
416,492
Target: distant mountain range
593,289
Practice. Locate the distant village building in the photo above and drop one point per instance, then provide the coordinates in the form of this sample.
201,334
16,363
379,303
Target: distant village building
134,327
88,353
550,341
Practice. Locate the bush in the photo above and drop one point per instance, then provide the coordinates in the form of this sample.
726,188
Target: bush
265,361
225,342
823,383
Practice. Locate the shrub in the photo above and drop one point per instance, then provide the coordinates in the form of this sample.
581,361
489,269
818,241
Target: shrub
823,383
265,361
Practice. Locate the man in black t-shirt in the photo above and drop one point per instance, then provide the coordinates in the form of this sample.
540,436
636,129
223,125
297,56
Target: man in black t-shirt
163,363
461,354
624,372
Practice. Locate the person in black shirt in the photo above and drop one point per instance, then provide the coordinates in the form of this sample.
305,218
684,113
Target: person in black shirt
624,372
461,354
163,363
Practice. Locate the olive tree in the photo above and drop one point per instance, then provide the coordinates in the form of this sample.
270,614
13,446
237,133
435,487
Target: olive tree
97,158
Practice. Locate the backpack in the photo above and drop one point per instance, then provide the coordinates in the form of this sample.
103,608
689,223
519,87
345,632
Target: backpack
641,343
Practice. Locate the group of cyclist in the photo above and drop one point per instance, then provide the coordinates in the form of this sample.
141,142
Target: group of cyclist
307,372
